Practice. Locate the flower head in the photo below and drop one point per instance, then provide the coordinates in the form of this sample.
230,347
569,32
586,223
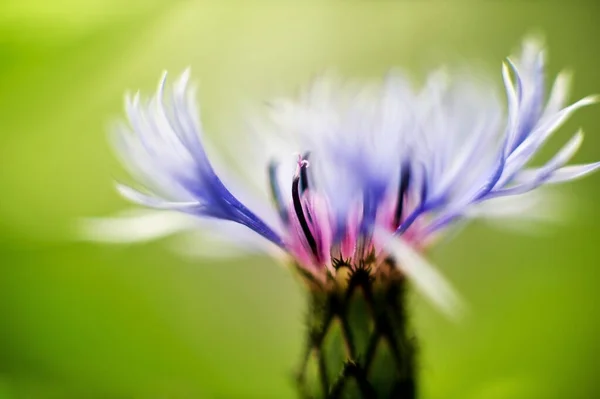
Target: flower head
380,170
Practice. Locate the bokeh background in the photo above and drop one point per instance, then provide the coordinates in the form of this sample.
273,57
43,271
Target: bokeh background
81,320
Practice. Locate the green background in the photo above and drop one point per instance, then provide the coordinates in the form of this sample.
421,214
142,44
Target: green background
79,320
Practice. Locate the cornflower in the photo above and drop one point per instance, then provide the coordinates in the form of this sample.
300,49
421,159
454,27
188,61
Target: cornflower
380,173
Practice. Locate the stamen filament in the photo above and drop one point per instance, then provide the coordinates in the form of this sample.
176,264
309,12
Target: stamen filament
312,243
402,189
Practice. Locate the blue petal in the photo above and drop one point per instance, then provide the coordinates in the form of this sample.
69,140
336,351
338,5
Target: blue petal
162,148
528,126
530,179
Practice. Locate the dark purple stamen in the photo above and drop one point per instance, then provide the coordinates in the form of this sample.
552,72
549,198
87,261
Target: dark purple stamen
304,174
402,189
300,212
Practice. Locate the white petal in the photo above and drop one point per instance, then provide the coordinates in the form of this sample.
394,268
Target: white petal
573,172
134,226
194,237
150,200
513,103
223,240
525,213
558,95
425,276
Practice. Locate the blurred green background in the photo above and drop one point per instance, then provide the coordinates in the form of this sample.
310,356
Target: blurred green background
80,320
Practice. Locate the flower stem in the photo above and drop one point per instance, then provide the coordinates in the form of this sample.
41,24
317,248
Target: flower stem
358,342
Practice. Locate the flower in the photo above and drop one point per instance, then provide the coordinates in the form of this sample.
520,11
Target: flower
380,171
